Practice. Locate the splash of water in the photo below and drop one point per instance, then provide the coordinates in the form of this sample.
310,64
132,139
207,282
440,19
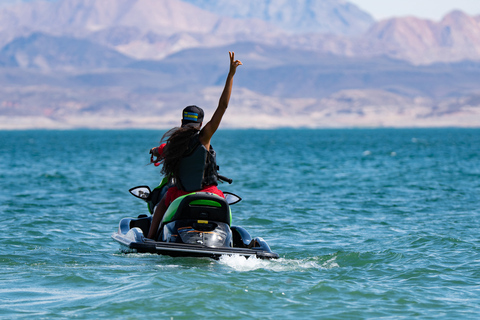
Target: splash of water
244,264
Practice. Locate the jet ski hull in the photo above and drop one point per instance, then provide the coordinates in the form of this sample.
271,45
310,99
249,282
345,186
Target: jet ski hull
134,241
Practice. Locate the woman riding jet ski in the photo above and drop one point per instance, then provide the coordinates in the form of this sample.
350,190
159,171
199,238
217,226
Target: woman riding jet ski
189,162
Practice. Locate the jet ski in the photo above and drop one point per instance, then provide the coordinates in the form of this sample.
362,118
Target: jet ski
195,225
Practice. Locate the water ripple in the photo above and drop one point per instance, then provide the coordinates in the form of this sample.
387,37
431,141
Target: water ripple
390,233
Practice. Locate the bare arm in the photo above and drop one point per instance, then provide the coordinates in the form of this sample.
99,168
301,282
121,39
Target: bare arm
157,218
209,129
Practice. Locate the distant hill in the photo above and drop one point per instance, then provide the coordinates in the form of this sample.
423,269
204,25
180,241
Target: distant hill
295,73
84,17
456,37
45,52
298,16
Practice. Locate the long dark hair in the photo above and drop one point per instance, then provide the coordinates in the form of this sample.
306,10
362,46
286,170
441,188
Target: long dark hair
178,140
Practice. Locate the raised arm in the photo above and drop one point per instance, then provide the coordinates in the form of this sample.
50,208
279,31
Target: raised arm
209,129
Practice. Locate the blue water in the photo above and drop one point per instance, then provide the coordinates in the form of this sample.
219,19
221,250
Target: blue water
368,224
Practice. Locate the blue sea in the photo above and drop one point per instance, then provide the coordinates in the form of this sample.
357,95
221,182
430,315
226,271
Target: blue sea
368,223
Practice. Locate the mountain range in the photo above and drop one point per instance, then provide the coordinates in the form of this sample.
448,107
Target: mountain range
90,63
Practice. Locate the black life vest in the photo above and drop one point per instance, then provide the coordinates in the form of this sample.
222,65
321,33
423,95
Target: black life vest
198,167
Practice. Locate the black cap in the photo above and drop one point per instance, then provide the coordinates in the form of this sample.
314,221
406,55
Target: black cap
192,114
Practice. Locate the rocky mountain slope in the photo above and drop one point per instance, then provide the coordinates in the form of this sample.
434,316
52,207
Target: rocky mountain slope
456,37
296,16
45,52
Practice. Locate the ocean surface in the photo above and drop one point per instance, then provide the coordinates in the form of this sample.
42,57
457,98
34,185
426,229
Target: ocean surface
369,224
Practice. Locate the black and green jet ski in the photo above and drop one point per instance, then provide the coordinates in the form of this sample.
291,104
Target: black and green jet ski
194,225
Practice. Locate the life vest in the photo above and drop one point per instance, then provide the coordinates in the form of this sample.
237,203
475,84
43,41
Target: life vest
198,167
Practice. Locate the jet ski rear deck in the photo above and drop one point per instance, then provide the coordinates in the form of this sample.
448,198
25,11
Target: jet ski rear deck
195,225
188,250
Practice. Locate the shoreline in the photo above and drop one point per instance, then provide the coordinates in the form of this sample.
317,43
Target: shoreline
44,123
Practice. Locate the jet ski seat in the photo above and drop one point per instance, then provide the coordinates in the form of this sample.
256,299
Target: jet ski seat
203,206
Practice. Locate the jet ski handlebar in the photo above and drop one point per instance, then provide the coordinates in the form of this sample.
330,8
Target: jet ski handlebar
225,179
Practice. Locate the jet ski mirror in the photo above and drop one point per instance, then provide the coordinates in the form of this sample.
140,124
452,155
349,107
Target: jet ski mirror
232,198
142,192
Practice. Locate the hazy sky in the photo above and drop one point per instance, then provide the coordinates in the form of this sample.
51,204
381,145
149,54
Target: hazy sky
431,9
